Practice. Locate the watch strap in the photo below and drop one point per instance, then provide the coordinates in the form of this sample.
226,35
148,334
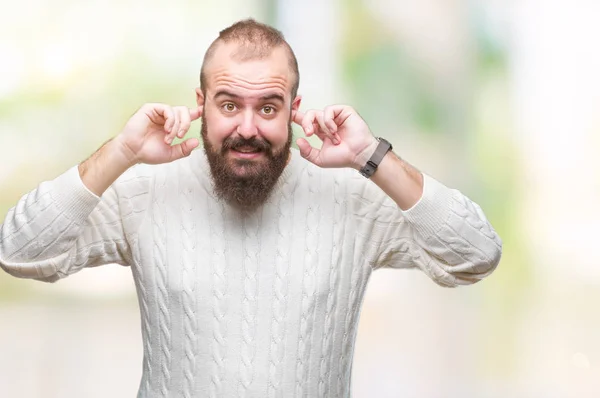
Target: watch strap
382,148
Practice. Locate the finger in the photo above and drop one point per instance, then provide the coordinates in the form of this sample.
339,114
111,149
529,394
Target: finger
298,116
196,113
176,126
311,126
319,118
329,117
308,123
184,148
161,114
325,129
308,152
341,113
184,121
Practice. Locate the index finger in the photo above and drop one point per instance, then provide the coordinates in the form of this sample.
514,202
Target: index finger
298,117
196,113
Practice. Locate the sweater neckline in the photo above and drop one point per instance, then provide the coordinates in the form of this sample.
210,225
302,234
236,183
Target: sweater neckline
291,170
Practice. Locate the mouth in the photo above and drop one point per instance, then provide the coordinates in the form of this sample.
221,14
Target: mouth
246,152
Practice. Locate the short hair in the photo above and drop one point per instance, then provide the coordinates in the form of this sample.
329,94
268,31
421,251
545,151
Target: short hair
256,41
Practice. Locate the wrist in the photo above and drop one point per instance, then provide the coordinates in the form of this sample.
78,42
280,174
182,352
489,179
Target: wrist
122,153
363,156
370,167
101,169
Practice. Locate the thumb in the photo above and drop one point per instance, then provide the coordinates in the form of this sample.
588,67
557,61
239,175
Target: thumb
183,149
308,152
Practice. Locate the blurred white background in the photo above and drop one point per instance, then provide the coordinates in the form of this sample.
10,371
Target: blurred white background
499,99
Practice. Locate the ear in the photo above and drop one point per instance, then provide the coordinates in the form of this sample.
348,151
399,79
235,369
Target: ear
199,97
296,106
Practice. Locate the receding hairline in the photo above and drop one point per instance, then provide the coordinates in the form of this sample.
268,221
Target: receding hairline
244,53
254,41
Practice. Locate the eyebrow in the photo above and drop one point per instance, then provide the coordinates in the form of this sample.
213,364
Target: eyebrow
268,97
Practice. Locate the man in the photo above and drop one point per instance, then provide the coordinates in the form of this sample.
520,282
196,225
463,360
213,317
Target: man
250,259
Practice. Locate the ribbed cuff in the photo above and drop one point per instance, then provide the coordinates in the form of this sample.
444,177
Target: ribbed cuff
432,210
72,196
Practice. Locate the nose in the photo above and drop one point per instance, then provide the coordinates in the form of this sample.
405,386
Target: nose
247,127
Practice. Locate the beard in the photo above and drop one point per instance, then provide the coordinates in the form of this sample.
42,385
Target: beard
245,184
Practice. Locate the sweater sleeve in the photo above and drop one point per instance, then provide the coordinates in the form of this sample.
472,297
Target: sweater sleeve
445,234
61,227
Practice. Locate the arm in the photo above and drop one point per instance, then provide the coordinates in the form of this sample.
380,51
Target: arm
76,220
62,227
459,245
419,221
146,138
444,234
399,180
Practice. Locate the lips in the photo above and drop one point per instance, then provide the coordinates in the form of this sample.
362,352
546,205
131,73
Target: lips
247,149
242,148
246,152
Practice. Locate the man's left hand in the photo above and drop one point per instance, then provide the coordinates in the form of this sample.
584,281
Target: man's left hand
347,140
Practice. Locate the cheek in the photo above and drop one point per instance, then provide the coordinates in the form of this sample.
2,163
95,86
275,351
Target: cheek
218,129
275,131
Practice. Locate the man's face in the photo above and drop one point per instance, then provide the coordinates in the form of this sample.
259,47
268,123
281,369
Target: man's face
246,126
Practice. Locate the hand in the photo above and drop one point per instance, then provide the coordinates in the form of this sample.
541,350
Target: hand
147,136
347,140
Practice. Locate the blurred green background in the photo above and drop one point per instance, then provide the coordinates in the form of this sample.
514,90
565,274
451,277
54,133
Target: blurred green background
499,99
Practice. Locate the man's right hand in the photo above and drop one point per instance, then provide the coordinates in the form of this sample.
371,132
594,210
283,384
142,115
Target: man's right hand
147,136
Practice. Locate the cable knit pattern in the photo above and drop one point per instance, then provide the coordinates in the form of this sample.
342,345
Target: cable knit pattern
250,302
356,286
133,202
159,228
219,295
260,306
280,293
473,215
188,243
147,330
356,296
309,303
338,226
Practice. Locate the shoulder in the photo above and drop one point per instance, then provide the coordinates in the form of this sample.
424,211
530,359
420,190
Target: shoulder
344,182
307,169
146,178
194,165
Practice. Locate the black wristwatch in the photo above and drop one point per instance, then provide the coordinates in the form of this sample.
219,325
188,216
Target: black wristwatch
369,169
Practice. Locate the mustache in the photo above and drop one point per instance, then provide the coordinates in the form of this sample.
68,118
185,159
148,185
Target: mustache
239,142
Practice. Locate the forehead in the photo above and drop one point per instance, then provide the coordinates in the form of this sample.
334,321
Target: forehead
251,76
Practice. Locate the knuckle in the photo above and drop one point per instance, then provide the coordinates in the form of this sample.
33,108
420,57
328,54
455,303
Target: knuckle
147,107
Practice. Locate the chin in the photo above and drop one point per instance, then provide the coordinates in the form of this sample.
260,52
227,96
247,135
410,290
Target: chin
246,168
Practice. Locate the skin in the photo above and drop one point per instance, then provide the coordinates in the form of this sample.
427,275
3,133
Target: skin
251,98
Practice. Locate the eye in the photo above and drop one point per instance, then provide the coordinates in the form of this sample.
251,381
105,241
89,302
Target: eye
229,107
268,110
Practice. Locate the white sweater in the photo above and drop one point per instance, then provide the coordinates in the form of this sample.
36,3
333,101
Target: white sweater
263,306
